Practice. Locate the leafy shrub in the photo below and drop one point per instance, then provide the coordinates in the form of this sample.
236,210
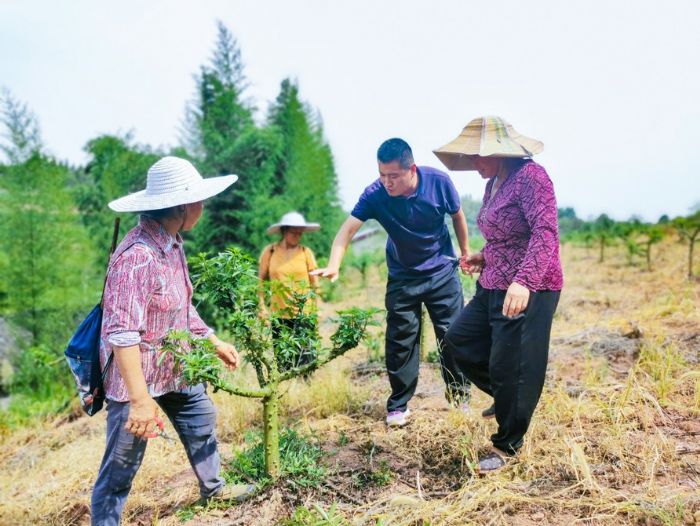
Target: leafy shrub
299,461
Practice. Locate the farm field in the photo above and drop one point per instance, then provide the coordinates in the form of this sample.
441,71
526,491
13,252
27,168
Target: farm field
615,439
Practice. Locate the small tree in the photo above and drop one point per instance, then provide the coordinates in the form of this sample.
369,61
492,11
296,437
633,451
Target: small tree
602,232
628,233
363,262
689,229
21,129
649,235
230,284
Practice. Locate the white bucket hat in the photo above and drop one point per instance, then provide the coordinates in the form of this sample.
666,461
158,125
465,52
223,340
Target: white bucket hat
486,137
295,220
172,181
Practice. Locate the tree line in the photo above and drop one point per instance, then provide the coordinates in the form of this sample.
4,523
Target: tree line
637,237
55,227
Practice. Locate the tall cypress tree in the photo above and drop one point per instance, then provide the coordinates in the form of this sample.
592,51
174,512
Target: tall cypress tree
48,253
285,165
45,278
222,138
21,134
305,177
219,114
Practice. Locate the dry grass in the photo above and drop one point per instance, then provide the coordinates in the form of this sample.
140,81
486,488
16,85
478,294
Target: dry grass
615,439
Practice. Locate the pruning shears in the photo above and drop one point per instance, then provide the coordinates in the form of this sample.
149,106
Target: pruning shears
160,432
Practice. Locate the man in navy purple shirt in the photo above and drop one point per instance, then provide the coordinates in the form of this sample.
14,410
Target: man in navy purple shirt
411,202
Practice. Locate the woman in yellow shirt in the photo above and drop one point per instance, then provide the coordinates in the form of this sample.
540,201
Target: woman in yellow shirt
290,263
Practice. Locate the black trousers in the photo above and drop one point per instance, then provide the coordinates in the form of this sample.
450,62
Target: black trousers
443,299
505,357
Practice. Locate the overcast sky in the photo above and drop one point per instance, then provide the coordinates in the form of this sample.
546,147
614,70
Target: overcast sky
611,88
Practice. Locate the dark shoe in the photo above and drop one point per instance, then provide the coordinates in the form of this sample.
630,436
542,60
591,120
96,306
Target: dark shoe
489,412
233,493
494,461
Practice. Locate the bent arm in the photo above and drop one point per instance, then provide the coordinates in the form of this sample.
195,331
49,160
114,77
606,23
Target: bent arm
342,239
539,207
459,222
129,363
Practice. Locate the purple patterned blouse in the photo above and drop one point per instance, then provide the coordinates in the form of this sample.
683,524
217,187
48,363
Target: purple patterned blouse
148,292
522,236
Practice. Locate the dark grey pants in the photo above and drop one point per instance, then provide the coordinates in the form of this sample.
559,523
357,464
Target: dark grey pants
505,357
443,299
192,413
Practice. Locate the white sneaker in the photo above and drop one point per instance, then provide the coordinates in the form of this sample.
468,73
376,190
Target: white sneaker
398,418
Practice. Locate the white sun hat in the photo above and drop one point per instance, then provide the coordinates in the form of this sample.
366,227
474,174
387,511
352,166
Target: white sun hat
294,220
172,181
486,137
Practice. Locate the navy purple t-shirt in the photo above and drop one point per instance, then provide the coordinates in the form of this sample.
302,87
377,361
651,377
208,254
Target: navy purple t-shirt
418,236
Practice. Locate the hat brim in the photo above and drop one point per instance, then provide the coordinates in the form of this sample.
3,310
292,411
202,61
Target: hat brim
459,154
308,227
142,201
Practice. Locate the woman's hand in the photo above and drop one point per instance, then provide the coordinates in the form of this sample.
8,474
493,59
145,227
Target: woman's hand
143,420
516,300
472,264
226,352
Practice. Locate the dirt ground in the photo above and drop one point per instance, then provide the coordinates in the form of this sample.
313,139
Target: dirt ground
615,439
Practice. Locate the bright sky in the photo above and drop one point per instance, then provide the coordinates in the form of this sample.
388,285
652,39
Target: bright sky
612,88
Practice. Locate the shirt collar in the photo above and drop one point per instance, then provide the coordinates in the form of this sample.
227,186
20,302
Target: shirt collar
157,232
420,184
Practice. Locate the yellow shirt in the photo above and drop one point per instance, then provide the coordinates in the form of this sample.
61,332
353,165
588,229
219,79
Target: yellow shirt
290,266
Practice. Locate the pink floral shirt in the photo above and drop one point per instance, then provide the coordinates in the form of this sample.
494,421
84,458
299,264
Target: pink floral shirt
520,226
148,292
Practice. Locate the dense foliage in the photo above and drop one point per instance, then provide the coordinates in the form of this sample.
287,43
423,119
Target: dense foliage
56,227
271,341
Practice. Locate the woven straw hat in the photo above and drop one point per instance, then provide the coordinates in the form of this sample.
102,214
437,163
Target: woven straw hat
172,181
486,137
295,220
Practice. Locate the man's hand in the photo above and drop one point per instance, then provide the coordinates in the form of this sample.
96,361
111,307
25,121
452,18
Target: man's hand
342,239
226,352
327,272
143,417
516,300
472,264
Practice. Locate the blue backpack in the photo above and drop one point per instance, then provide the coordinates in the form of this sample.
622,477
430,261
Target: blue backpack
83,352
83,355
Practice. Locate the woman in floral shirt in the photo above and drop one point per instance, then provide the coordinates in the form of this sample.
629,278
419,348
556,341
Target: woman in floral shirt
148,292
501,338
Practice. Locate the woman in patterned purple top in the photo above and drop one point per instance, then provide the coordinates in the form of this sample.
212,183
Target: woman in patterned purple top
147,293
501,338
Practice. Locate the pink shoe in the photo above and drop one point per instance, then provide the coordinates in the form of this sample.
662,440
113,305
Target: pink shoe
397,418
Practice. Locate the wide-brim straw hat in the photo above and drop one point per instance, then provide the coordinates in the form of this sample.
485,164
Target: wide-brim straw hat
486,137
172,181
293,220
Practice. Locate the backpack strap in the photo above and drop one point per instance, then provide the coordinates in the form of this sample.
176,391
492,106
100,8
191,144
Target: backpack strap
115,236
113,247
